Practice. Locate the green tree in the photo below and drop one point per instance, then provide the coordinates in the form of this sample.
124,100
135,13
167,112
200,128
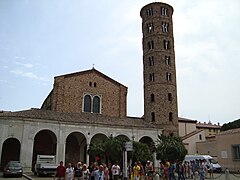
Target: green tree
231,125
111,150
170,148
141,152
114,147
97,148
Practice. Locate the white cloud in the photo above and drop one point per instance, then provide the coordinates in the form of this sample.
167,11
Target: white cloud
27,65
30,75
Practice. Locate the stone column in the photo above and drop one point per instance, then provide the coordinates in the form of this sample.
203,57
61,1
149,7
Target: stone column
27,143
61,145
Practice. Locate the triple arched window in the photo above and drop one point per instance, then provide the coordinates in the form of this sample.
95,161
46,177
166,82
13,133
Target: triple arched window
92,103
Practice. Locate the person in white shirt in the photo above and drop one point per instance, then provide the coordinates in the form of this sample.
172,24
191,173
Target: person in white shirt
115,171
86,173
69,172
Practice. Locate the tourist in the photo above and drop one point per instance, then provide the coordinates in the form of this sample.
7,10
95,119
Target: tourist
69,172
136,171
85,172
60,172
78,171
99,174
116,171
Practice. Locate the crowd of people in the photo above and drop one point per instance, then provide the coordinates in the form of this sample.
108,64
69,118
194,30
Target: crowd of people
84,172
103,171
196,169
167,171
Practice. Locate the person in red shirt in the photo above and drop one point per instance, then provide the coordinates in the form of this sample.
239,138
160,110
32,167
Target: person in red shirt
60,172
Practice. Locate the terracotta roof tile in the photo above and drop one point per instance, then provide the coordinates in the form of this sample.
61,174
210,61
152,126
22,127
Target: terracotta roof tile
81,118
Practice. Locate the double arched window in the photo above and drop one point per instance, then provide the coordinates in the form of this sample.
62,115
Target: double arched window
92,103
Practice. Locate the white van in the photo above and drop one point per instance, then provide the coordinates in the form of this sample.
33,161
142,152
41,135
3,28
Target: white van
216,166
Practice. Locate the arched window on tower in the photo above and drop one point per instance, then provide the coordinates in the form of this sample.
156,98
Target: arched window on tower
170,116
169,76
150,12
150,27
152,98
151,77
151,61
87,103
164,11
167,60
153,116
169,96
166,44
151,45
96,104
165,27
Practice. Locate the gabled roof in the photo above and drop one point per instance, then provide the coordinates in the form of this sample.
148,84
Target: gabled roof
93,70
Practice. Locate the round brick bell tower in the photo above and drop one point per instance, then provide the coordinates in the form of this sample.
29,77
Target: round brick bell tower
160,90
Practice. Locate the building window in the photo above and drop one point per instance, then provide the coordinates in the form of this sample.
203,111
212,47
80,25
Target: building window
170,116
95,84
152,98
91,104
200,137
151,77
153,116
166,44
149,12
236,152
164,11
169,96
169,76
150,27
150,45
96,104
151,61
167,60
90,84
165,27
87,103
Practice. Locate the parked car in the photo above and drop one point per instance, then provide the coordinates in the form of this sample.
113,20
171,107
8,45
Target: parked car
13,168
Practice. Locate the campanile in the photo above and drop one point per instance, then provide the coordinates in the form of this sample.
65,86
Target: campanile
159,72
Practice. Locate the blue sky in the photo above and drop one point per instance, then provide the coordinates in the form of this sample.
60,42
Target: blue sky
47,38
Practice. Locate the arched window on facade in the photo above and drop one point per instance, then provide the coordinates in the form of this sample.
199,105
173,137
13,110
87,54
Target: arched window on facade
96,104
87,103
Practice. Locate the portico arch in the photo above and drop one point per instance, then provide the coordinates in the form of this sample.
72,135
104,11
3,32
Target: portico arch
123,137
45,143
97,138
149,141
76,148
10,151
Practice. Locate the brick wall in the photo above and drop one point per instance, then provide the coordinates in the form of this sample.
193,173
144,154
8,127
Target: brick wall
69,90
